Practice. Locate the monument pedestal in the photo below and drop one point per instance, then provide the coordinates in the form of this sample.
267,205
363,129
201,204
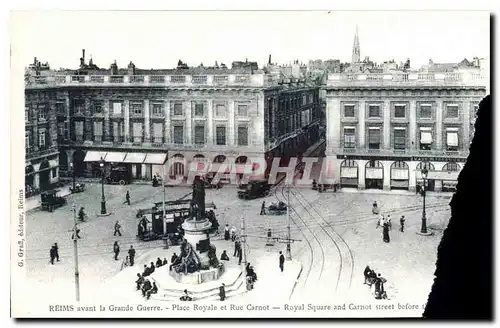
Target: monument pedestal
198,277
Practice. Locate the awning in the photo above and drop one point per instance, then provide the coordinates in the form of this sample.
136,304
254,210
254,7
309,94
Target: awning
450,184
374,173
425,137
113,157
452,139
439,175
158,159
94,156
135,158
348,172
400,174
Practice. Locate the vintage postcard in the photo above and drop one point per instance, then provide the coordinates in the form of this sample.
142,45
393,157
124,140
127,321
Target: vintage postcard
237,164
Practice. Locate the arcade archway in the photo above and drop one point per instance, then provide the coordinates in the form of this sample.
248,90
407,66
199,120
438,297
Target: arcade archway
349,173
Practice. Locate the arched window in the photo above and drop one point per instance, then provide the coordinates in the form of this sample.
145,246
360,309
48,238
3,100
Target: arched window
374,163
451,167
241,160
399,165
349,163
199,158
426,165
178,168
219,159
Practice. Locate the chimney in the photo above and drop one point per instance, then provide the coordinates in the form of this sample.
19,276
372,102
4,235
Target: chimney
83,55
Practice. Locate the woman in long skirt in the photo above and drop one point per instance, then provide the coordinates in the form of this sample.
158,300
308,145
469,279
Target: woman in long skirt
386,233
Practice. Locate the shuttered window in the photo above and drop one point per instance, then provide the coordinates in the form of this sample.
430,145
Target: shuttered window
242,136
199,134
399,138
178,134
349,138
220,135
137,132
158,132
374,138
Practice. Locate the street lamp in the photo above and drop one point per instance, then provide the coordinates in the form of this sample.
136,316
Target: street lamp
72,172
103,199
423,229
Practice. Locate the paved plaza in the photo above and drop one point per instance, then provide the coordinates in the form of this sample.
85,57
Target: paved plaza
321,222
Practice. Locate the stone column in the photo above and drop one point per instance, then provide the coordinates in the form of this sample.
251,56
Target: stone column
361,174
210,123
412,113
166,130
107,128
387,125
333,137
52,118
231,128
361,126
412,183
387,175
189,122
88,121
69,156
438,138
465,108
126,121
147,126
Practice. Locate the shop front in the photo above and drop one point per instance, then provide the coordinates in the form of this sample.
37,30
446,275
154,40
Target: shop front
374,175
349,174
431,182
400,175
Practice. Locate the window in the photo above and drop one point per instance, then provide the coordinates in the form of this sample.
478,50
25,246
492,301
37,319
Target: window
117,108
79,131
303,100
27,113
425,111
157,109
97,131
452,139
178,134
42,113
54,172
373,111
348,110
97,107
451,167
400,111
79,106
425,138
137,132
199,110
400,138
242,110
220,135
117,131
220,110
242,136
452,111
41,139
136,108
178,109
349,138
199,134
60,108
27,140
158,132
373,138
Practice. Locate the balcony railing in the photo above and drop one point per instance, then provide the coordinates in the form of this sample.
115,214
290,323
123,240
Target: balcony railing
30,153
404,152
414,78
251,80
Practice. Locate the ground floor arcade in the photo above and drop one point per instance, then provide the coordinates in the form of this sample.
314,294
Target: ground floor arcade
41,173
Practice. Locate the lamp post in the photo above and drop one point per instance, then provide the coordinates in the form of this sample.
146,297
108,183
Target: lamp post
73,173
423,229
103,199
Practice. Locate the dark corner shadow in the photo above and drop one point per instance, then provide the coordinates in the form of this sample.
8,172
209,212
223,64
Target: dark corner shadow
463,286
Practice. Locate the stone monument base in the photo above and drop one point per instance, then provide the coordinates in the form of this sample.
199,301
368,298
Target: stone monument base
199,277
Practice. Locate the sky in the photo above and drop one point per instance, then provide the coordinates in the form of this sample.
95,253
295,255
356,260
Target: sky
158,39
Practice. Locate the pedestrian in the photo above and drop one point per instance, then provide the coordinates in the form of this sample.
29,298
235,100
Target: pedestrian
52,255
385,232
237,247
127,198
185,297
116,249
165,262
173,258
381,221
81,214
375,208
131,255
226,232
117,229
240,257
367,274
263,208
56,249
222,292
126,262
153,290
233,233
282,261
224,256
402,223
388,221
159,262
139,281
379,287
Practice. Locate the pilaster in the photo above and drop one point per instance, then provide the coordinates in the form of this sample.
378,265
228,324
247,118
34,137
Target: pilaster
333,137
361,128
438,138
387,176
68,115
413,125
166,130
107,127
189,123
412,183
210,123
88,121
387,126
466,110
231,129
126,120
361,174
147,125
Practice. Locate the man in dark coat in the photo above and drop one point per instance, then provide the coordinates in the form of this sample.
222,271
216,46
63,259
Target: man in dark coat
226,232
116,249
237,247
222,292
139,281
131,255
282,261
385,232
173,258
52,254
402,223
127,198
224,256
117,229
367,274
56,249
263,208
379,287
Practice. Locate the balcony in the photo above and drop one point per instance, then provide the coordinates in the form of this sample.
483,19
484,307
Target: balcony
237,80
31,154
407,79
402,152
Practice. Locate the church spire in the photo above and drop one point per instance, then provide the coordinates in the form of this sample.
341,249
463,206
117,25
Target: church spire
356,53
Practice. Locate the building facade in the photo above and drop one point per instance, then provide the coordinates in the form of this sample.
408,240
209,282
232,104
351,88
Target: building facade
140,118
384,128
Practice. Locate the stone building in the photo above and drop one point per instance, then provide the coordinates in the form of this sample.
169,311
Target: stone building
383,128
138,118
